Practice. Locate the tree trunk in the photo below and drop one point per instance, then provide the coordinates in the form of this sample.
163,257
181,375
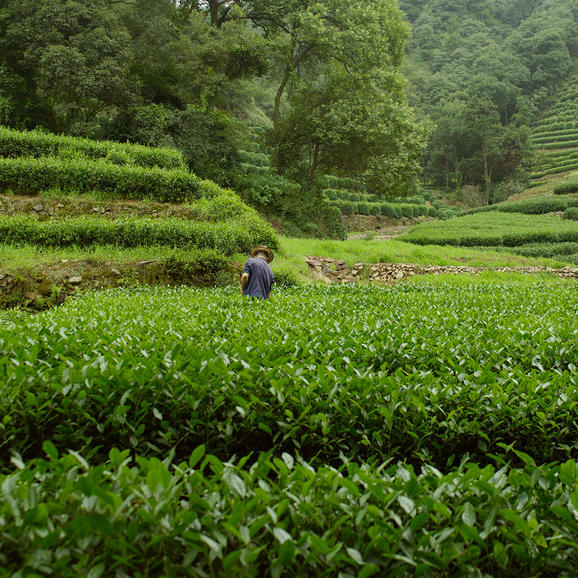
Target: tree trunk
277,116
487,177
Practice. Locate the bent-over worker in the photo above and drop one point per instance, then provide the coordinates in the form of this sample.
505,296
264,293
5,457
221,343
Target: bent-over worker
257,277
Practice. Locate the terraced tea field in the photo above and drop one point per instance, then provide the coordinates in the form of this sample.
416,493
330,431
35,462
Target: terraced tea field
425,429
556,138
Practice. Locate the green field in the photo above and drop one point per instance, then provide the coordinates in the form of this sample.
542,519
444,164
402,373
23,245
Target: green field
357,408
494,229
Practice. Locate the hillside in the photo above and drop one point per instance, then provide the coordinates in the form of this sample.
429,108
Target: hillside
555,139
492,77
79,214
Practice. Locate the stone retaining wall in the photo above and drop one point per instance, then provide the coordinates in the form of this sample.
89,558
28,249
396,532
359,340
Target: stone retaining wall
330,270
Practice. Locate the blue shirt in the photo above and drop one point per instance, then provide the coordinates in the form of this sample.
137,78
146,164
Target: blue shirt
260,278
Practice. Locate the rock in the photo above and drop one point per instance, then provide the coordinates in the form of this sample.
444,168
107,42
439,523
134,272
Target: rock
116,272
399,275
60,206
38,208
75,280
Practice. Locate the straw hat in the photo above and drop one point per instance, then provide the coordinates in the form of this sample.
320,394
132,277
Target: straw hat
263,249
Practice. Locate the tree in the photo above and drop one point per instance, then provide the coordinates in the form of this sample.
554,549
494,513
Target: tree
486,132
335,59
73,55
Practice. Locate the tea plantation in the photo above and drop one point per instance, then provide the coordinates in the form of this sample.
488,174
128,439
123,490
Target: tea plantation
210,224
423,429
555,138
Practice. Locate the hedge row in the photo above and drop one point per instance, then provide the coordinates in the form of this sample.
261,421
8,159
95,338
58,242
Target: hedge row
436,376
559,145
566,188
561,168
571,213
537,206
227,237
31,176
348,183
392,210
494,229
345,195
14,143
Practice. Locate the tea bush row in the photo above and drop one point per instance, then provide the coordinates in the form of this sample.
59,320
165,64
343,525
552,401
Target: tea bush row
228,237
561,168
561,250
562,144
347,183
283,517
31,176
15,143
391,210
424,373
571,213
535,206
494,229
566,188
345,195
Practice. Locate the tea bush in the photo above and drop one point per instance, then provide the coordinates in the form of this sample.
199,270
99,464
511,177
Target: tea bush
360,413
494,229
282,516
566,188
420,373
228,237
15,143
31,176
535,206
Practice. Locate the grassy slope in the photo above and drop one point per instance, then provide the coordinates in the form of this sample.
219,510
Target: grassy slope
293,252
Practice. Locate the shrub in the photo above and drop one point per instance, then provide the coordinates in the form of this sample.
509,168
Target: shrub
14,143
348,208
34,175
390,210
566,188
406,210
363,208
571,213
375,209
237,236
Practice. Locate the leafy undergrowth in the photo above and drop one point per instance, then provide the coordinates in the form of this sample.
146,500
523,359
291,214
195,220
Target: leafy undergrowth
282,517
425,372
428,429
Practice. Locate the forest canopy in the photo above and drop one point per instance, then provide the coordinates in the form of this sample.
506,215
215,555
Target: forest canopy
267,96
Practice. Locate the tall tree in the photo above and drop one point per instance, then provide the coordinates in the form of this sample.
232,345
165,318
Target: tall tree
73,55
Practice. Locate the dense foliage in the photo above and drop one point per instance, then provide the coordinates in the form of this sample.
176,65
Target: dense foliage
232,236
485,72
173,369
313,86
36,144
332,382
282,517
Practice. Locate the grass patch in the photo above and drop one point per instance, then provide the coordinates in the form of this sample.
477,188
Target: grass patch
293,253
